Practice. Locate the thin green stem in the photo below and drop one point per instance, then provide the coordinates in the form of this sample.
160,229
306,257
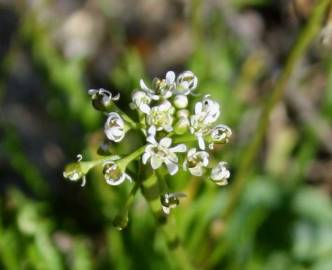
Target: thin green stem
121,219
185,138
250,153
123,163
151,192
85,166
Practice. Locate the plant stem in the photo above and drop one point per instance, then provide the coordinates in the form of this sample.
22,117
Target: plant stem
151,192
250,153
86,166
120,221
185,138
123,163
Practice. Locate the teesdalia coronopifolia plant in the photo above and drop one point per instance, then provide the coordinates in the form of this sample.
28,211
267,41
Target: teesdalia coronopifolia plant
174,138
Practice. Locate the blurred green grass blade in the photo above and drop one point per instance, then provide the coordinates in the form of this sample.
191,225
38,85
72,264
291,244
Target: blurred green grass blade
82,257
128,72
11,254
249,154
19,161
47,251
117,250
62,76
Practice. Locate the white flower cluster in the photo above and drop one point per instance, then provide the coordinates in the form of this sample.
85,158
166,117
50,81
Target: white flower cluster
164,118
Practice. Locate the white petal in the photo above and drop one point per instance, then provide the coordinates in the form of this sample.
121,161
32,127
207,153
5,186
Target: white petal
116,182
116,97
201,142
166,105
149,148
127,176
118,139
172,157
205,162
170,77
165,142
143,86
92,91
155,162
168,94
179,148
223,182
152,131
168,128
151,140
117,132
198,107
172,167
144,108
145,157
191,152
197,170
109,134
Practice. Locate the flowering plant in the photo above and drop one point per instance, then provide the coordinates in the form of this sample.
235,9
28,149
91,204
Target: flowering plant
171,131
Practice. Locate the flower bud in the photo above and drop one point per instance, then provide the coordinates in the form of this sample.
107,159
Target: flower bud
181,126
182,113
187,82
102,99
171,200
141,101
181,101
113,175
196,161
73,171
114,127
220,174
220,134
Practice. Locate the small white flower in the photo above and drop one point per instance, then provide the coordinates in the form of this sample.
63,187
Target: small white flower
186,83
196,161
220,174
162,88
220,134
207,112
113,174
161,152
161,116
114,127
165,87
141,101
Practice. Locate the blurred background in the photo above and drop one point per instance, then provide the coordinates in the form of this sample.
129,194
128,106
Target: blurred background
278,215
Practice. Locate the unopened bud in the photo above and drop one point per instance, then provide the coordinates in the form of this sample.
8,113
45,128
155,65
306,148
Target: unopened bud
181,126
181,101
220,174
102,99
